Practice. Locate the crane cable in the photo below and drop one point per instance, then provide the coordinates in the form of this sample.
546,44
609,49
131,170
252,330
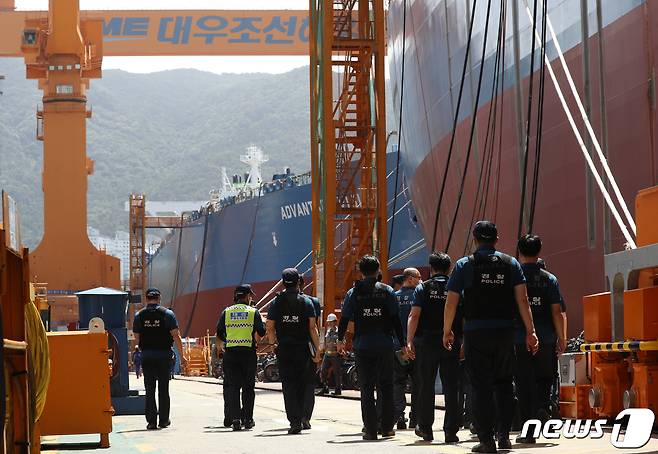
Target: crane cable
526,151
588,124
492,121
454,125
188,325
397,164
473,129
588,159
540,121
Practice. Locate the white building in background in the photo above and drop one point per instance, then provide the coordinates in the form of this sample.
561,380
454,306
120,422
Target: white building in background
119,247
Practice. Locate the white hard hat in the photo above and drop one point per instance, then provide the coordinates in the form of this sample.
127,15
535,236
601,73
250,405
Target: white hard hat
332,318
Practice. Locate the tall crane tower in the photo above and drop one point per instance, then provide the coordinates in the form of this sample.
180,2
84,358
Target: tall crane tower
348,141
64,52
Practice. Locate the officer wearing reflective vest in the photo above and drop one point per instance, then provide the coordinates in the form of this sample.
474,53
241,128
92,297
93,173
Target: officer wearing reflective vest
535,373
291,325
424,339
371,306
156,330
239,328
493,288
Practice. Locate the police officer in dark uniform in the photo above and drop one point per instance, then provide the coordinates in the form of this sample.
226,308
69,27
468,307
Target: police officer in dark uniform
237,329
424,339
309,401
404,367
156,330
493,287
371,306
535,373
291,323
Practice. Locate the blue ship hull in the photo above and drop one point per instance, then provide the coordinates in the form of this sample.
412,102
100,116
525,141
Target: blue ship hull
199,265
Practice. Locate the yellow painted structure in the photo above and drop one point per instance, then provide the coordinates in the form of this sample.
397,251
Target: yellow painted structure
78,399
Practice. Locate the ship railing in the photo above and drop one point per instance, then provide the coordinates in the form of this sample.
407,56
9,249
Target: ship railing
216,205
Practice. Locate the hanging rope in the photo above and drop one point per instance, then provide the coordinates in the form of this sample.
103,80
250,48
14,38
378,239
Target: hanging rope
198,282
540,120
397,163
251,236
454,126
490,135
588,159
588,125
473,129
526,152
174,289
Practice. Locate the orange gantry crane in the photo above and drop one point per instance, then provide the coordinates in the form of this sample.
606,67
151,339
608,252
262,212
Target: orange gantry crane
64,53
348,141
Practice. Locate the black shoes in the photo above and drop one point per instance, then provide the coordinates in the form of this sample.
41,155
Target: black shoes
237,425
402,423
426,435
369,436
322,392
412,422
151,426
486,447
472,428
388,433
306,424
295,429
227,423
337,392
165,424
249,424
529,440
504,443
451,438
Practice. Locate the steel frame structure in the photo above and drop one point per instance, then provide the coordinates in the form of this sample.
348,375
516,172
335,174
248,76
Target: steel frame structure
348,141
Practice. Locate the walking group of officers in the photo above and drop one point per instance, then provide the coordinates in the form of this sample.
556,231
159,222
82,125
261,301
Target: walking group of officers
493,323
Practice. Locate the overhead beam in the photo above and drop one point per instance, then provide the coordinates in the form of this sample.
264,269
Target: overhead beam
181,32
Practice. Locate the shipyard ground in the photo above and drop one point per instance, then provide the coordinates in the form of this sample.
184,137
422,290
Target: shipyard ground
197,428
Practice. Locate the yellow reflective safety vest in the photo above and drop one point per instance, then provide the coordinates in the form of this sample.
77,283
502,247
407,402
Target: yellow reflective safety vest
239,320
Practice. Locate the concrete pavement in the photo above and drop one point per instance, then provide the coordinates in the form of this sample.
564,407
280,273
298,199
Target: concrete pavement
197,417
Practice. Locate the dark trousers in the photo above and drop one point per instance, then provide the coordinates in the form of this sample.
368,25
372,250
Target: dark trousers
309,401
432,359
296,371
489,356
239,375
465,395
401,374
156,371
335,364
375,370
534,378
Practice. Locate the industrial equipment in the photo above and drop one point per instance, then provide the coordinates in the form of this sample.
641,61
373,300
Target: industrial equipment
64,52
622,326
348,141
17,412
109,305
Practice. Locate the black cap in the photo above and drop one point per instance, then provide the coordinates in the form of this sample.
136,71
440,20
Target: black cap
244,289
290,276
485,230
152,293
